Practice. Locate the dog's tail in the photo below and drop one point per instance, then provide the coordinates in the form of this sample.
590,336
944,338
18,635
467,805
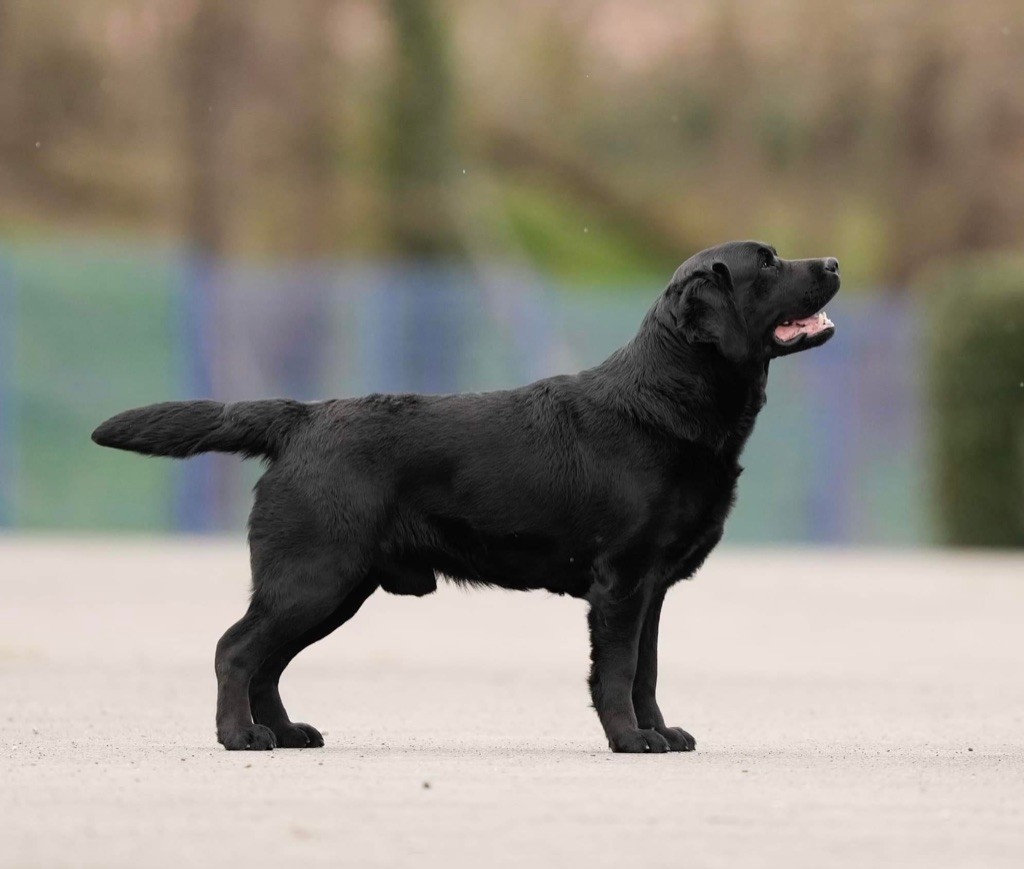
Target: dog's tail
186,428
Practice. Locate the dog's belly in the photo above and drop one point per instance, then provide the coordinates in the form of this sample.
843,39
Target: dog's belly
518,570
558,554
520,560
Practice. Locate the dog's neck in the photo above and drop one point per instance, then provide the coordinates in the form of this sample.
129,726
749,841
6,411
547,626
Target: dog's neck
687,391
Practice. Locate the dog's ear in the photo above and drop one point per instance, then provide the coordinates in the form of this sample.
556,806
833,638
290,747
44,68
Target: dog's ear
706,311
721,271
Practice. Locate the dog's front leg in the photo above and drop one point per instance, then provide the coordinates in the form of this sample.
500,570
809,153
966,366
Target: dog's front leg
615,627
645,684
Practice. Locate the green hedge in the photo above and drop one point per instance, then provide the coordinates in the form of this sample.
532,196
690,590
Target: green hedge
976,389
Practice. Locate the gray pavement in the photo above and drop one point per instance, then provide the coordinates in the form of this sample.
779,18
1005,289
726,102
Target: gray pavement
850,709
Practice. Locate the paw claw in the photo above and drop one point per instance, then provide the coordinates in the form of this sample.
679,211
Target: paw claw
678,739
253,738
639,742
314,736
299,735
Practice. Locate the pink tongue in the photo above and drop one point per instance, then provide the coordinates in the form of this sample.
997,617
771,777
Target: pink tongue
807,326
789,331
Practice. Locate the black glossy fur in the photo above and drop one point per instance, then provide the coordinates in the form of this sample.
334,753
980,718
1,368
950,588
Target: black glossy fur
608,485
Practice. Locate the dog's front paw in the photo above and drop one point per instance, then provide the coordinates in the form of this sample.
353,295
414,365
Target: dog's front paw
639,742
253,738
299,736
678,739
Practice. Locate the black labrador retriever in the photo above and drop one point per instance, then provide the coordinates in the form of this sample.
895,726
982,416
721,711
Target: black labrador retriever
608,485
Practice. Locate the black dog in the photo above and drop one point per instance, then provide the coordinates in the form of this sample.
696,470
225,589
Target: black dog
608,485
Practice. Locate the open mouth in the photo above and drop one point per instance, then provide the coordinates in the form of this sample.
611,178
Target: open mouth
790,331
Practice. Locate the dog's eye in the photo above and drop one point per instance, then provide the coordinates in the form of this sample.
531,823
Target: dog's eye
767,259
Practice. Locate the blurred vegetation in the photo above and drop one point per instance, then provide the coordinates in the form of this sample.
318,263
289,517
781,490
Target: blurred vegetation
597,140
977,398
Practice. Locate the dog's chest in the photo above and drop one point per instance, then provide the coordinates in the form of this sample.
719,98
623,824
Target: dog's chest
699,503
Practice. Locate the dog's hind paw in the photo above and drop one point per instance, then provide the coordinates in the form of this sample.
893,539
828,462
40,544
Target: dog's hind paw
639,742
299,735
253,738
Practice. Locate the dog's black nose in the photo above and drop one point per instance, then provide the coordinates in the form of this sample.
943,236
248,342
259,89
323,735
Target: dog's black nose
831,264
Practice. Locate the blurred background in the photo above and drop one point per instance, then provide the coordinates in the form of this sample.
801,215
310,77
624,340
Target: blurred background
213,198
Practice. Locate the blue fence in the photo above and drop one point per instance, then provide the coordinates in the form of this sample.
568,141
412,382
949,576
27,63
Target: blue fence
9,429
87,330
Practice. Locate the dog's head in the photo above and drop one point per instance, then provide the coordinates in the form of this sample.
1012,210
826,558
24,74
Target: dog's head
741,298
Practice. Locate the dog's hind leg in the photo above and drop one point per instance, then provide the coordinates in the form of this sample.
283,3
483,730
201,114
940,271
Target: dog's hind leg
264,695
291,596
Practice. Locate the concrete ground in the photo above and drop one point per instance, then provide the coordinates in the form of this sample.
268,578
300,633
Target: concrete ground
850,709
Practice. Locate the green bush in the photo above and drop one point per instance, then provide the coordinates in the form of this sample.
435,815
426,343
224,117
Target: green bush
976,389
